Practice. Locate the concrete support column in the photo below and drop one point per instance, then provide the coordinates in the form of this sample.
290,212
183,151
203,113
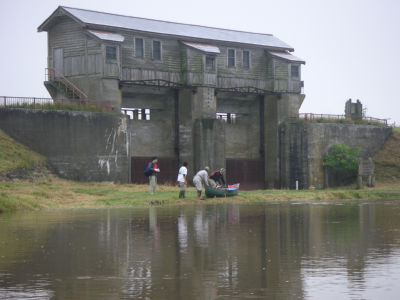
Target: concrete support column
185,128
271,141
288,106
201,136
209,144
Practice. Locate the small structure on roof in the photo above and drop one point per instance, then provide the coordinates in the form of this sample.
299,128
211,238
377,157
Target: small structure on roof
354,110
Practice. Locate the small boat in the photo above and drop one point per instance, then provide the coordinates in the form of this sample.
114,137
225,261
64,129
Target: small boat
231,190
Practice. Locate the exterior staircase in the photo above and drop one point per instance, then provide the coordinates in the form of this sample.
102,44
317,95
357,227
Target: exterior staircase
57,84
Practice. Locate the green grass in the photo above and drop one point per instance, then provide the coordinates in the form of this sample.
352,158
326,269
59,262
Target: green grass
16,156
387,159
59,193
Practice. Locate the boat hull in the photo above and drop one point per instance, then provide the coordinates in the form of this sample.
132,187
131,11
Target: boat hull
213,192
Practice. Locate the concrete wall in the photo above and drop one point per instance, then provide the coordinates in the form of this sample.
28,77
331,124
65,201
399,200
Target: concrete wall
304,145
242,138
78,145
157,136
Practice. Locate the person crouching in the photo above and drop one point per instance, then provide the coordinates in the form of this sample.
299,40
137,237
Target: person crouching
199,178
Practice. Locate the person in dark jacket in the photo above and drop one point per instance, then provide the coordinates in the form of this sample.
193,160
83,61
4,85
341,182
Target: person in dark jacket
217,178
154,170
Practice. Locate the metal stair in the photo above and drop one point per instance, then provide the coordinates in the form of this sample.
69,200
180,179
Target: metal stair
55,80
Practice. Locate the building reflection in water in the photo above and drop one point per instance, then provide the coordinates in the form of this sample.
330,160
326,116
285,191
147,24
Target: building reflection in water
227,251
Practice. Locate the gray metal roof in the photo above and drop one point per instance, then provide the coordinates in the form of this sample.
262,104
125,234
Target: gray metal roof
176,29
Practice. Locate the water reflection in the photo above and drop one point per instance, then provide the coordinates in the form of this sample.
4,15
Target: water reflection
274,251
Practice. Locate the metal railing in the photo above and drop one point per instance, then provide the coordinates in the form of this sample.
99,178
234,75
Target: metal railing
15,101
315,117
70,89
37,103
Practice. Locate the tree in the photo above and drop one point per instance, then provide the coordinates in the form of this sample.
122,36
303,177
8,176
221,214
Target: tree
343,163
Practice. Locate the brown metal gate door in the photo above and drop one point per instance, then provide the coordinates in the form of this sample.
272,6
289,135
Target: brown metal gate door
248,172
168,170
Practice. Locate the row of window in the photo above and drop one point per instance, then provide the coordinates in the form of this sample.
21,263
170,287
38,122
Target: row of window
232,58
139,49
210,60
111,53
144,114
137,113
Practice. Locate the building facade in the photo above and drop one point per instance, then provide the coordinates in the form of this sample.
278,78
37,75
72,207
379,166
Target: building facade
191,93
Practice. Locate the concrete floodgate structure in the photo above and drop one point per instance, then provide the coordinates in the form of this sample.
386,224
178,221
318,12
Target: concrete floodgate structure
203,95
208,96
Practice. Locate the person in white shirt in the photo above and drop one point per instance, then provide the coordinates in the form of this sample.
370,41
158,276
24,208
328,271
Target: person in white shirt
182,181
201,176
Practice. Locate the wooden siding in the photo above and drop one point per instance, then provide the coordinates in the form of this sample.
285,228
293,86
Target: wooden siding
281,69
179,63
143,74
170,53
258,63
68,35
95,63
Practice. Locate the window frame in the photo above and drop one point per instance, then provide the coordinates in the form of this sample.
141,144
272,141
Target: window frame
213,59
136,53
152,50
115,47
249,59
297,76
234,58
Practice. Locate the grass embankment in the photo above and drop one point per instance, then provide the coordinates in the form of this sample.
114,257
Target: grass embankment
58,193
52,192
14,156
387,159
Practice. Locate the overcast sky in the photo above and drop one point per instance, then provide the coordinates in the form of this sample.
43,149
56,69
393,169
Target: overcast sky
351,47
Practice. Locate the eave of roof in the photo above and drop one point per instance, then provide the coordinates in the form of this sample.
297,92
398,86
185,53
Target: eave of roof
286,56
107,36
203,47
89,17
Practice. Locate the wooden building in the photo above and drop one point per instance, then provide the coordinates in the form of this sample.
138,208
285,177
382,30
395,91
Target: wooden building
204,95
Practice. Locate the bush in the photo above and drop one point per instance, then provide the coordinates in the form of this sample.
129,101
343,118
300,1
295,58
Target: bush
342,162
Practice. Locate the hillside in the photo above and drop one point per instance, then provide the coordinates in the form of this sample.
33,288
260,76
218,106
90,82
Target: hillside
387,159
17,161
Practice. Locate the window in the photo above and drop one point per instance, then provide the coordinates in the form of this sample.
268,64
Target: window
157,50
294,71
229,118
210,63
137,113
139,47
231,58
111,52
246,59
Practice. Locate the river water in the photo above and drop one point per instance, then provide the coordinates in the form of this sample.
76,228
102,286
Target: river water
230,251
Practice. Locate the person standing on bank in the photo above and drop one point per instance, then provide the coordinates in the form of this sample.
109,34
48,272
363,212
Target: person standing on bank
199,178
182,181
153,170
